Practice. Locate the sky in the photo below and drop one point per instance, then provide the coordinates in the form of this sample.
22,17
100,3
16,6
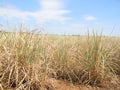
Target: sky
70,17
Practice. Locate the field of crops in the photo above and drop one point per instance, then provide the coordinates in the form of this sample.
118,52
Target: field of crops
29,61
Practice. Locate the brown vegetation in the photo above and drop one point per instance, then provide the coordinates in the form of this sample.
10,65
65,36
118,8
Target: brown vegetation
45,62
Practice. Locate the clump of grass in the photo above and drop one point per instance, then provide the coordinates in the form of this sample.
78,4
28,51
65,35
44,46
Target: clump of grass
21,61
86,61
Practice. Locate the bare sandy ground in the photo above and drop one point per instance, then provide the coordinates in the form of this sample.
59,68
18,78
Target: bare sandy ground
54,84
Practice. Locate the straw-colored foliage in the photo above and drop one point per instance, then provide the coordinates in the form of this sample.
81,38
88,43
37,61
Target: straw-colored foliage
28,61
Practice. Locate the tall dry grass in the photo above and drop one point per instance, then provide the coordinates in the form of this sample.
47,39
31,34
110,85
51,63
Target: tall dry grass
27,60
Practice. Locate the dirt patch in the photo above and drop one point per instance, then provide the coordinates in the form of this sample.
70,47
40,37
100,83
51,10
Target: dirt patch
54,84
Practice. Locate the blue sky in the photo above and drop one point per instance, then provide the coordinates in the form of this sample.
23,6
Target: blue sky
63,16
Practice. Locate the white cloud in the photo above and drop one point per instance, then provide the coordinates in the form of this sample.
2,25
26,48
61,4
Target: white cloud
90,18
78,25
51,11
14,13
51,4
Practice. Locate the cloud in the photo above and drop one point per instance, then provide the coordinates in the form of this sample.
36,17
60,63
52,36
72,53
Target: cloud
51,4
14,13
78,25
90,18
50,11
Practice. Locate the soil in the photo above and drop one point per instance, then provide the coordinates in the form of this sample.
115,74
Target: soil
54,84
